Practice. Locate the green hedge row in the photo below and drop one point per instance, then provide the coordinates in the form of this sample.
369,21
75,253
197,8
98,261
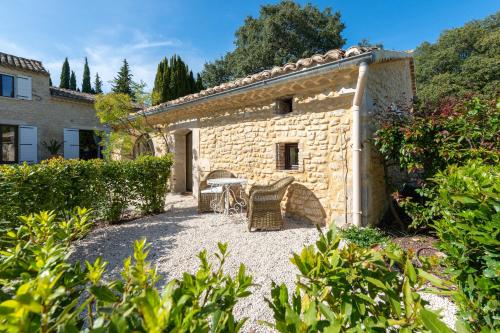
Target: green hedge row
108,187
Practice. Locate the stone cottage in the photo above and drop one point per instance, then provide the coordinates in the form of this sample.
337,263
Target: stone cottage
32,112
312,119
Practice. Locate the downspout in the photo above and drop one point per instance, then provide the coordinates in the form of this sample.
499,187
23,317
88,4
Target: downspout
356,144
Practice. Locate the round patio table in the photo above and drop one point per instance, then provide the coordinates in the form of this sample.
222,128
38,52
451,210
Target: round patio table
227,185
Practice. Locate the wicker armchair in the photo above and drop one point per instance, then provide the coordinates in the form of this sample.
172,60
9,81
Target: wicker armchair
264,205
207,194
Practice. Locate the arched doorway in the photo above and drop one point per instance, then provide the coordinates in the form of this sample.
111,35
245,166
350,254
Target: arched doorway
143,146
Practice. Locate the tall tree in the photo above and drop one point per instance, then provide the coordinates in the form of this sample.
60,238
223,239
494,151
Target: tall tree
173,79
122,83
463,60
72,81
65,75
199,83
97,84
282,33
86,86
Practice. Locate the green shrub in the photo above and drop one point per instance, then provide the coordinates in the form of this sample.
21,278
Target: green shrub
107,187
465,204
149,176
354,289
40,291
365,237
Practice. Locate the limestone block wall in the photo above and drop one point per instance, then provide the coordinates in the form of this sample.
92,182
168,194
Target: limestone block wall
50,115
244,141
389,87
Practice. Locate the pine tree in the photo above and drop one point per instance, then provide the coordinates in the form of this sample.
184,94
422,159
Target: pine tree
86,86
97,84
122,83
72,81
65,75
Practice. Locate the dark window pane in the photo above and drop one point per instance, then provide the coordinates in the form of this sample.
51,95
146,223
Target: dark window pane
89,145
7,85
8,144
291,156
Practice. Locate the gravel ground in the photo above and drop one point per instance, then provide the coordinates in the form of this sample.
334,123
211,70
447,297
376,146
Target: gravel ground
178,235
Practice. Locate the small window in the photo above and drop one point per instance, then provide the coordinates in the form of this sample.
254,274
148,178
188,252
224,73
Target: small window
8,144
143,146
283,106
287,156
6,85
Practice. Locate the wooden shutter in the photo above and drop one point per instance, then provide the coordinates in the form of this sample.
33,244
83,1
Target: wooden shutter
28,144
71,143
24,87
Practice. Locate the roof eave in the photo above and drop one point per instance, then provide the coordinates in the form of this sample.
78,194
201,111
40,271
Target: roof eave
353,61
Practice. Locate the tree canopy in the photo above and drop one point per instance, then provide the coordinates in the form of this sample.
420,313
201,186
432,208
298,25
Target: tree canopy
463,60
72,81
122,83
174,79
86,86
282,33
97,84
65,75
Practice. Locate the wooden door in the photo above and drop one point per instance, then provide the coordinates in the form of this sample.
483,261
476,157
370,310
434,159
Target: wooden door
189,162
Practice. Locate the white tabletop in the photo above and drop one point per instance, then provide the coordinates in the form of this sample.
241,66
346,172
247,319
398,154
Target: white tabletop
226,181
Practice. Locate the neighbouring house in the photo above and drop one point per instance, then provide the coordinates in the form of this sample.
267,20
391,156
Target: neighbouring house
33,113
313,119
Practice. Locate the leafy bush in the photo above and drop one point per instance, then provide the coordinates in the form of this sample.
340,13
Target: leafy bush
107,187
428,139
353,289
465,206
41,291
149,176
364,237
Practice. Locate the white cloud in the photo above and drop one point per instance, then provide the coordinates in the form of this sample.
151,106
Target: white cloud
105,50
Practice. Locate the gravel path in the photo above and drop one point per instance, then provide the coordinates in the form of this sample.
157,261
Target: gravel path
178,235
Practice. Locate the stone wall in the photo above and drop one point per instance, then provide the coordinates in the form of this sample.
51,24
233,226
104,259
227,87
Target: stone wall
50,115
389,87
244,141
240,134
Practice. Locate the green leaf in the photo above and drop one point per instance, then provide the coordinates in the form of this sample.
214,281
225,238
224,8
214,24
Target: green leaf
432,322
103,294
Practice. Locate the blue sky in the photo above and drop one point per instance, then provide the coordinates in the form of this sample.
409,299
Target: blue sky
144,31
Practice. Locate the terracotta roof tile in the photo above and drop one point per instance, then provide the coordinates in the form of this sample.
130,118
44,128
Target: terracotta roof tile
315,60
9,60
71,94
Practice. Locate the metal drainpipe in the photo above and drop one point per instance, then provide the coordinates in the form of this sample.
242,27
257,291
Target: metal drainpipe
356,144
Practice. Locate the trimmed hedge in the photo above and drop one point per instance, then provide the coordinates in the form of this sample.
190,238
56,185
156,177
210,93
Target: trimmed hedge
108,187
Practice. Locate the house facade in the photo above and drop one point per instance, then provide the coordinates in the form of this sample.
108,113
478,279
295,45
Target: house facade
32,114
313,120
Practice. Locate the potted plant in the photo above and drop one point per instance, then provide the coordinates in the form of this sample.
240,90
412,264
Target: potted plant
53,147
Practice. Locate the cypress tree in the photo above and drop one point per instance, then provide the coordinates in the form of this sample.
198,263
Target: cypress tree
122,83
65,75
50,81
86,86
199,83
166,81
72,81
158,87
173,80
192,83
97,84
